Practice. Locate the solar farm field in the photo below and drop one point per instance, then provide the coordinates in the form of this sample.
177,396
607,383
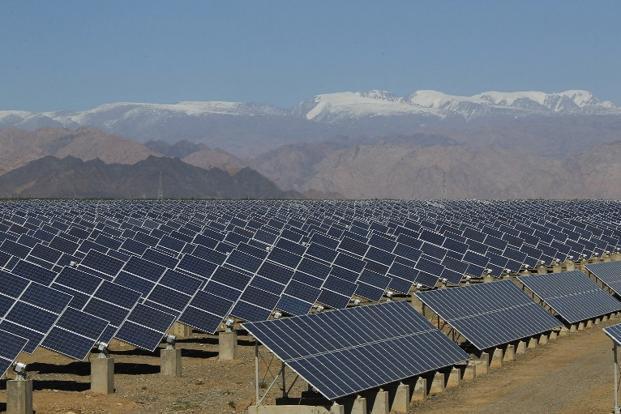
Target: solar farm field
218,306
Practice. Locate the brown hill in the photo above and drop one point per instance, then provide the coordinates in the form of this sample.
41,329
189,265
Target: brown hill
70,177
20,147
431,166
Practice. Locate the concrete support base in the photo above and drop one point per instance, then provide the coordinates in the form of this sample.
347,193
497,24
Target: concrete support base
483,364
227,346
543,339
557,268
604,318
589,323
19,396
542,270
509,353
401,402
359,406
337,409
521,348
532,343
102,375
180,331
381,405
295,409
553,336
564,331
439,383
597,321
497,356
470,373
573,328
454,378
170,362
569,265
581,326
421,389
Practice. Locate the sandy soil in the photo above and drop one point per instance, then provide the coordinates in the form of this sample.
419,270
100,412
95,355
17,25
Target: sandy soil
571,375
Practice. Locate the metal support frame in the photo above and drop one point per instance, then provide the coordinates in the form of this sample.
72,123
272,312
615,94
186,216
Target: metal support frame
617,409
281,375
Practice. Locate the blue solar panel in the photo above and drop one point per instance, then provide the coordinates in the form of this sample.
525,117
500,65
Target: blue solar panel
33,272
489,314
614,332
197,266
293,306
145,327
244,261
75,334
338,352
34,312
572,295
102,263
608,273
144,268
206,311
11,346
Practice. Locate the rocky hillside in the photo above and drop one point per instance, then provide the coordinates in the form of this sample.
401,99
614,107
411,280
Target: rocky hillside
18,147
70,177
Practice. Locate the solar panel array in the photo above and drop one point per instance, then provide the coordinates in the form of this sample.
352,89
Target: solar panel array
139,266
572,295
348,351
608,273
490,314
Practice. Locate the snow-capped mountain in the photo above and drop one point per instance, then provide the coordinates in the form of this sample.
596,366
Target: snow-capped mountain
329,107
108,115
245,128
354,105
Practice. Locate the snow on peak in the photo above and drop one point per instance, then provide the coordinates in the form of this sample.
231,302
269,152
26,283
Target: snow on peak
354,105
359,104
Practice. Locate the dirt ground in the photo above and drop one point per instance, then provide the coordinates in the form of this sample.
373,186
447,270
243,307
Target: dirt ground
571,375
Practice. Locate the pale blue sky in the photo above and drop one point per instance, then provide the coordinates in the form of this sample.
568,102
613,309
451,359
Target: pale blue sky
77,54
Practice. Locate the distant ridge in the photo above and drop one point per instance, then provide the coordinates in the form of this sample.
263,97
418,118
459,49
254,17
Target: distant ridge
69,177
246,129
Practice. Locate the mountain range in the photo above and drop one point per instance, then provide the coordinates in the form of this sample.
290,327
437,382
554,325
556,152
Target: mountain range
245,129
70,177
352,144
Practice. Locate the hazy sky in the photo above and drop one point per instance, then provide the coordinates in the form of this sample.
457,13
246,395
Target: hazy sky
77,54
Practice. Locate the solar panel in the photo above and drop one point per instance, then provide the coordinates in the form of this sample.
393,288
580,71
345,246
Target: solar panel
614,332
145,327
489,314
339,352
572,295
608,273
75,334
11,346
30,309
206,312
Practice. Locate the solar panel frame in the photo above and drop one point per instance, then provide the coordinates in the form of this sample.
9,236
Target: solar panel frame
363,339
